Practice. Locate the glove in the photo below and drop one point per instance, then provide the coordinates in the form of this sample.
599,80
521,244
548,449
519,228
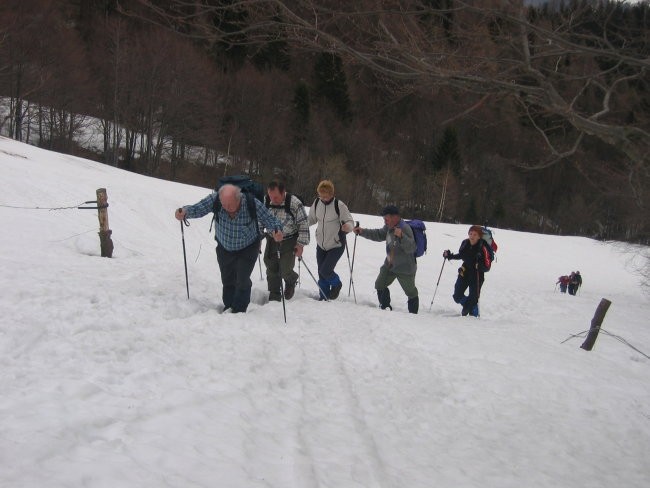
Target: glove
446,254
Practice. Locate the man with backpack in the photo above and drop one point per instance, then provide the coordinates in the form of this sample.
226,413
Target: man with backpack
238,239
400,260
477,256
289,210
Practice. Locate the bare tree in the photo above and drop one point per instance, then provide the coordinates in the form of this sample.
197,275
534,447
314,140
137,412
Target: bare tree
570,71
23,57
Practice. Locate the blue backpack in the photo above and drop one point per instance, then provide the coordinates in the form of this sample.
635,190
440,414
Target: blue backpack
419,233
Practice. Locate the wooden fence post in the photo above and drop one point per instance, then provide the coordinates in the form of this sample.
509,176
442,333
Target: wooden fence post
596,322
105,240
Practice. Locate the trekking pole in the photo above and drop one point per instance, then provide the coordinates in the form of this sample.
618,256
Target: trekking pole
478,292
350,266
354,250
299,280
444,260
259,261
284,307
184,223
315,281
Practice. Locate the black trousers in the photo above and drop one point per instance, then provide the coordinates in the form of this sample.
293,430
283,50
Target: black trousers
468,278
236,268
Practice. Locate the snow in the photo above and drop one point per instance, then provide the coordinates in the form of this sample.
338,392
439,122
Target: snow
110,376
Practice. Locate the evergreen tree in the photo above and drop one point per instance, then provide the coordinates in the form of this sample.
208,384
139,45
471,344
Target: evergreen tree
301,105
448,153
301,112
471,214
331,84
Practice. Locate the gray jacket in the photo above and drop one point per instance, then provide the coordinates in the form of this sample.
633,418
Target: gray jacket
400,257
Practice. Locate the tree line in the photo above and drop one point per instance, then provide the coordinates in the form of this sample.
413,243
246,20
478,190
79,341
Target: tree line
527,117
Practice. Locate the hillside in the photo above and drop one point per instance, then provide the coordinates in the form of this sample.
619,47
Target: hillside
111,377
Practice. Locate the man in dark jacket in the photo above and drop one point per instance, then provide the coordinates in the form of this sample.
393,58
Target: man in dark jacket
400,261
471,274
575,281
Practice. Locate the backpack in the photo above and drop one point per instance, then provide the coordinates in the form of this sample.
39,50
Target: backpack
419,233
252,189
486,257
487,237
287,203
336,205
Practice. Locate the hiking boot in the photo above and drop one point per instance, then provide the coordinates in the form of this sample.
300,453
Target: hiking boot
275,297
384,299
466,310
334,292
413,304
289,290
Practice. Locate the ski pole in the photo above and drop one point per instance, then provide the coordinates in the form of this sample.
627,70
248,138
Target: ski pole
284,308
350,266
299,280
315,281
184,223
259,261
436,290
354,250
478,292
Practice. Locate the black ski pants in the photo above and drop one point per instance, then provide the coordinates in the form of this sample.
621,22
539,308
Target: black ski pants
236,268
468,278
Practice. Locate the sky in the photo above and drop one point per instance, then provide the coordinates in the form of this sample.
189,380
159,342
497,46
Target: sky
111,377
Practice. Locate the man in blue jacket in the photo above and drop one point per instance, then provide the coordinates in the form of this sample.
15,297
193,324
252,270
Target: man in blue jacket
237,233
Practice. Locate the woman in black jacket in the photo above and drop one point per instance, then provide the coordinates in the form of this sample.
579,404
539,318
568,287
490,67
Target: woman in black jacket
476,260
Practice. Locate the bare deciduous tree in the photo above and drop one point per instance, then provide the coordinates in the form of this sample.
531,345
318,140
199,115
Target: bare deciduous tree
570,71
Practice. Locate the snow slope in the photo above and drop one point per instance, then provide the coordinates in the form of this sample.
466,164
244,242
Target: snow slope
110,377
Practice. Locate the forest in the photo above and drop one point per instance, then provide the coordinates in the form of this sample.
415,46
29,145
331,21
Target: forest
520,116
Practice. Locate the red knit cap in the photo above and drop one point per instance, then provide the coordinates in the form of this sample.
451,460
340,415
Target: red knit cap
476,228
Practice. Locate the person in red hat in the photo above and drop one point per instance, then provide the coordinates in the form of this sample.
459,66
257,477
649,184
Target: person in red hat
471,274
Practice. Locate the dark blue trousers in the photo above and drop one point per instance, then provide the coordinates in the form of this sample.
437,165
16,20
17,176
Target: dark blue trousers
468,278
236,268
327,260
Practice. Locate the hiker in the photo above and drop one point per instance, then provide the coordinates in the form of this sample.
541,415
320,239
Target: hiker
400,258
238,240
471,274
289,210
564,282
575,280
334,222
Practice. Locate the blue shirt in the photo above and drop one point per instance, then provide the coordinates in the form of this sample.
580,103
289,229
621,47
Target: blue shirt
237,233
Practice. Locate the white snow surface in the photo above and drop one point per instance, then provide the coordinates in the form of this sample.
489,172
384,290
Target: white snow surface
111,377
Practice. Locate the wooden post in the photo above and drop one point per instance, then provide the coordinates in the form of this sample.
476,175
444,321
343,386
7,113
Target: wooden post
596,322
105,240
